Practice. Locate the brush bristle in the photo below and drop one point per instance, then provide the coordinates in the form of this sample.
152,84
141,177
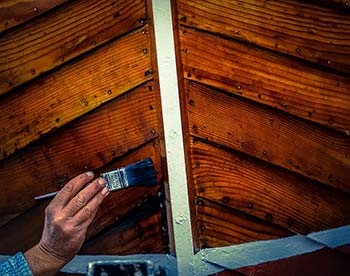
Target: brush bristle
141,173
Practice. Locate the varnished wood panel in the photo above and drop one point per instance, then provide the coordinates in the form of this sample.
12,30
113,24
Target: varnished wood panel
113,209
63,34
282,82
302,30
222,226
143,235
15,12
89,142
323,262
270,135
264,191
79,87
343,5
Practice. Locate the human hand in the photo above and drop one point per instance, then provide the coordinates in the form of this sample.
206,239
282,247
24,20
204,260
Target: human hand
66,221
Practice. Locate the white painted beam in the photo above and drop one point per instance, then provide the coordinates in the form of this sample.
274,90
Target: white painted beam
170,101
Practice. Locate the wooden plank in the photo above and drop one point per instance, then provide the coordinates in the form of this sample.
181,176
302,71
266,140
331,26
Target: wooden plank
322,262
343,5
281,82
267,192
13,13
141,236
89,142
302,30
280,139
113,210
76,89
63,34
221,226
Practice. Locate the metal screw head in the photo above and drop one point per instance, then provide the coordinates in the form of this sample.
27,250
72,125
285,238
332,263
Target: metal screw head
142,21
145,50
184,18
147,73
35,9
298,50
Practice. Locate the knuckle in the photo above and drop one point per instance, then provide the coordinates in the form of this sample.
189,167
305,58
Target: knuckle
88,211
80,200
68,187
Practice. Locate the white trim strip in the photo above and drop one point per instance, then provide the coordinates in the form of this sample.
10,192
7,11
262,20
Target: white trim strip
173,135
213,260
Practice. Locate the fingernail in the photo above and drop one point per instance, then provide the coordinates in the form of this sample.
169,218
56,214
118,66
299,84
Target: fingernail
102,182
105,191
90,174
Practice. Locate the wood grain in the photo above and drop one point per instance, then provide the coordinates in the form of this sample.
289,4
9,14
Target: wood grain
114,208
13,13
264,191
89,142
63,34
302,30
343,5
77,88
137,237
221,226
281,82
279,139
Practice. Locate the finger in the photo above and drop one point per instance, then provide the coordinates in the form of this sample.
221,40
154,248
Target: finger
83,197
88,212
71,188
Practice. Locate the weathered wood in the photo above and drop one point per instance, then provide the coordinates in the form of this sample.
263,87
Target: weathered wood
76,89
298,29
63,34
343,5
141,236
13,13
113,209
222,226
281,82
265,191
278,138
89,142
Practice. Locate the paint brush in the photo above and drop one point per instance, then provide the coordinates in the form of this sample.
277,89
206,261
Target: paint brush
141,173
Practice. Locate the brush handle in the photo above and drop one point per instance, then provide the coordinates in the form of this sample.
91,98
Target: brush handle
46,196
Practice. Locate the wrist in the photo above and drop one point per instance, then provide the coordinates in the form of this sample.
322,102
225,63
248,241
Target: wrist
43,262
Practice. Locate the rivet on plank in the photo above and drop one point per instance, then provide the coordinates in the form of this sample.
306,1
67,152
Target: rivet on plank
269,217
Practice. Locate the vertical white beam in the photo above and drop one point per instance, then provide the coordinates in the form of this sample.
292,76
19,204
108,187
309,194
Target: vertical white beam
169,92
